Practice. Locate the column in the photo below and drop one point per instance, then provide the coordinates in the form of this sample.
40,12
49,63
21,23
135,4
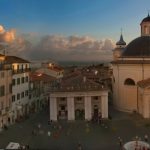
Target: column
70,107
88,108
53,108
146,107
104,106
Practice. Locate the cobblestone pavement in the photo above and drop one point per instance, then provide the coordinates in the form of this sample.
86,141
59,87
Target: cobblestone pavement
66,135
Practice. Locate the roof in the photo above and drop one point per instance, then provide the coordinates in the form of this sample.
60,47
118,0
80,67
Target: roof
131,62
78,83
1,55
121,41
56,68
146,19
15,59
138,47
144,83
39,76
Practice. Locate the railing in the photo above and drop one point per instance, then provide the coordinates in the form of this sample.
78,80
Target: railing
21,70
77,88
3,67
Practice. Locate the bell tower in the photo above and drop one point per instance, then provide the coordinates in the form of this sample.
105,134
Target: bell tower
120,45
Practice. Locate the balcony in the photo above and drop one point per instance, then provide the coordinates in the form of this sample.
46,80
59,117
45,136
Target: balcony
21,71
5,67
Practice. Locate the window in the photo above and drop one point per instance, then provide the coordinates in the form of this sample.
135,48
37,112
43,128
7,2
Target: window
18,96
22,67
22,79
13,98
30,96
10,88
18,80
13,82
2,105
95,97
26,93
129,82
10,73
26,66
2,90
22,95
79,98
146,29
62,99
2,74
27,78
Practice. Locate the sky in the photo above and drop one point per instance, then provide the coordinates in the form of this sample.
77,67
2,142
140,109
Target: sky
84,30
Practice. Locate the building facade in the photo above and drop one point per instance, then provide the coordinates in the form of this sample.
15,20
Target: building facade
131,65
78,98
38,90
20,87
5,92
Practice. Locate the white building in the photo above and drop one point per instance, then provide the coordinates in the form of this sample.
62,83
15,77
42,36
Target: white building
78,98
20,86
130,66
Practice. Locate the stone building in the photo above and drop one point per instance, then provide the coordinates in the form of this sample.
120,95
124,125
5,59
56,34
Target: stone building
131,68
78,98
5,92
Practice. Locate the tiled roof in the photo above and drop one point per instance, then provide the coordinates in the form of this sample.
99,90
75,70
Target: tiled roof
15,59
1,55
78,83
39,76
144,83
56,68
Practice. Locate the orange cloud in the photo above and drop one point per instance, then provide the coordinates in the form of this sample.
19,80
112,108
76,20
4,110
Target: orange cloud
7,36
1,29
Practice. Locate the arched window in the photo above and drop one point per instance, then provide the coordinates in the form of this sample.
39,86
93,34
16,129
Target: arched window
129,81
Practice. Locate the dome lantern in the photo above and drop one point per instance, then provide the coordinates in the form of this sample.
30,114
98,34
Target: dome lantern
145,26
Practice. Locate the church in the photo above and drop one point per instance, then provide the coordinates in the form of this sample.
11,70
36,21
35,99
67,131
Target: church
131,73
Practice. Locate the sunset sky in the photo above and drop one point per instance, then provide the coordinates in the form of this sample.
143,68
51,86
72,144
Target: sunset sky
76,29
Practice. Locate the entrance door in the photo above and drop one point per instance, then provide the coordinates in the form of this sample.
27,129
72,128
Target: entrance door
62,112
95,113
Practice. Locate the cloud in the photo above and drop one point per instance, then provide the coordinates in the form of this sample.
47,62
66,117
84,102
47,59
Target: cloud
76,48
57,47
7,36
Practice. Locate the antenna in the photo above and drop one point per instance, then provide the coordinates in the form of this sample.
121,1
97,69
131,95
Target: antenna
121,30
148,12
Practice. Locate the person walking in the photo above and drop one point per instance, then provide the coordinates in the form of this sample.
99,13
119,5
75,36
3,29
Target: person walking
146,138
120,143
49,133
79,146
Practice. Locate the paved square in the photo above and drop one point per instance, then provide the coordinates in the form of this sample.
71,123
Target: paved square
66,135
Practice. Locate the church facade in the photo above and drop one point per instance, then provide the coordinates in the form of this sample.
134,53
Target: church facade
131,73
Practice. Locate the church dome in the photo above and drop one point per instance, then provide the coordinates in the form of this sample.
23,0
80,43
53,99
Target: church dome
146,19
139,47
